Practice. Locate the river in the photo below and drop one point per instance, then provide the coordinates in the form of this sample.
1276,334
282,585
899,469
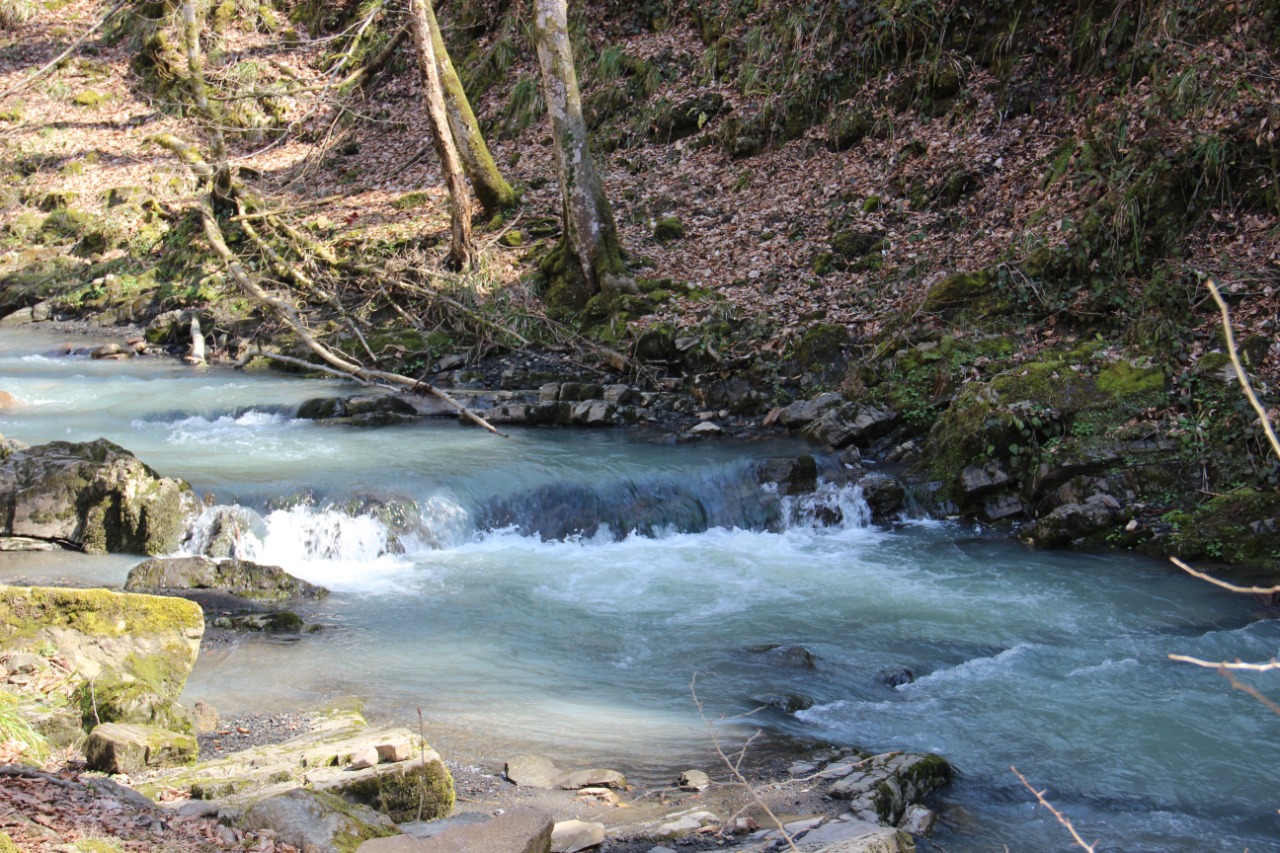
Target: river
585,648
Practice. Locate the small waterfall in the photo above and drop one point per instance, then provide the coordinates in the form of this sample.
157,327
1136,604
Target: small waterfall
728,497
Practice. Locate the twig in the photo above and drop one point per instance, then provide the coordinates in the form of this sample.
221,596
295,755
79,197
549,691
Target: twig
1270,666
363,342
1241,375
1247,590
22,771
72,48
735,767
1062,819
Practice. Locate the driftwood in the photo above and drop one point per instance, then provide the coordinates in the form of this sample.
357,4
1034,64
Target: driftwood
288,313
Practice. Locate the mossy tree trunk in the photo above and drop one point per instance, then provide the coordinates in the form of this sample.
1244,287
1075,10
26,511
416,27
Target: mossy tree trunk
461,252
491,189
221,184
590,234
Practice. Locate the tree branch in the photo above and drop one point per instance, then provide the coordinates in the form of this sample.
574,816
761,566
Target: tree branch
1062,819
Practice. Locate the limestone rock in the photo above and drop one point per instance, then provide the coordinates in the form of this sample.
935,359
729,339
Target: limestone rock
680,825
880,788
315,821
95,495
129,748
570,836
205,717
695,780
532,771
367,757
851,423
591,779
236,577
918,820
107,635
857,836
403,792
519,830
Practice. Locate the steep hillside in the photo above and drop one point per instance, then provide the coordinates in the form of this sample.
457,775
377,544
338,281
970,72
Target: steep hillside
991,220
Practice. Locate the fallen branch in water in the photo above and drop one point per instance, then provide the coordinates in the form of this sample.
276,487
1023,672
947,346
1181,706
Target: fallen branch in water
1247,590
1062,819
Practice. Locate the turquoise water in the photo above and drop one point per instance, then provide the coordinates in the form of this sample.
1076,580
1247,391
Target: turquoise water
586,648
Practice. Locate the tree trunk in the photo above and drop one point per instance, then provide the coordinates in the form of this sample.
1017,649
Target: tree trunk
461,253
494,192
221,178
590,234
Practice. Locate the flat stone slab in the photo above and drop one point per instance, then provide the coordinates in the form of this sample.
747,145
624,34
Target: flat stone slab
129,748
520,830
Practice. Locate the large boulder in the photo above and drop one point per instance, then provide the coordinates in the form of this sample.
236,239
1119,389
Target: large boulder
316,821
241,578
129,655
523,829
95,495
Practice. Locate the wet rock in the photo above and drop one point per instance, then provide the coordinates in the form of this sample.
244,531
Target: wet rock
95,495
706,429
918,820
895,676
797,657
1001,507
237,577
694,780
979,479
571,836
1071,523
793,476
885,495
109,352
315,821
880,788
851,423
278,622
223,532
787,703
130,748
594,413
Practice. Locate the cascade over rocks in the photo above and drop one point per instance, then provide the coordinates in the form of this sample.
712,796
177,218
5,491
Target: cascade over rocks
95,496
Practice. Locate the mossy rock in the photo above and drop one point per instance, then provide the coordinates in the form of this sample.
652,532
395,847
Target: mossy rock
668,228
853,244
90,99
1122,379
822,343
66,222
1241,527
111,699
847,127
973,292
418,792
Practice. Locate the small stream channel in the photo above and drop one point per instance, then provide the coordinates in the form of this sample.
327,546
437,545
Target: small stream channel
584,649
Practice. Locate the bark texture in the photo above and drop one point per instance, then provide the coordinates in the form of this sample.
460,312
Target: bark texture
590,234
461,252
221,177
491,188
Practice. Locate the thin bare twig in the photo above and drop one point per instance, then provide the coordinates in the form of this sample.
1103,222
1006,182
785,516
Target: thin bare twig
1241,375
735,767
1247,590
1062,819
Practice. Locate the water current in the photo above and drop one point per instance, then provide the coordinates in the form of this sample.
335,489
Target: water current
584,647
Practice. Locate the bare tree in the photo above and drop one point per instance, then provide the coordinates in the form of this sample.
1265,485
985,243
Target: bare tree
491,188
461,251
590,234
